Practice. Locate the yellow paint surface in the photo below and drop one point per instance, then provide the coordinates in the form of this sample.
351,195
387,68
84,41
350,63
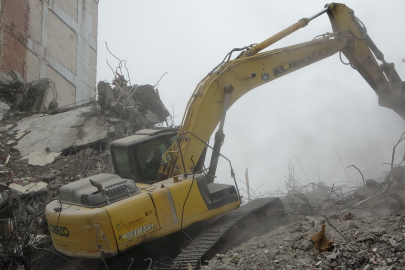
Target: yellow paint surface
133,217
76,231
162,202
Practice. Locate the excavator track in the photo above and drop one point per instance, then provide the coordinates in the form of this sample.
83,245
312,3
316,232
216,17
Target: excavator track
255,218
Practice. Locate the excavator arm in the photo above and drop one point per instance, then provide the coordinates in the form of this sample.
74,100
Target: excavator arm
363,56
231,79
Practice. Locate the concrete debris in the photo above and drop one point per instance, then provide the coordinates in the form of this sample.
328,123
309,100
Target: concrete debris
74,128
366,225
42,149
40,157
132,102
25,96
59,132
375,253
120,111
28,188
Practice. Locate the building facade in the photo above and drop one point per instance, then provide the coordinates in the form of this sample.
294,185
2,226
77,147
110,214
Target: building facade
55,39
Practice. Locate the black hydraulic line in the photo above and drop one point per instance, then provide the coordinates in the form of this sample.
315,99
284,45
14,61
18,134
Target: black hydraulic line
219,136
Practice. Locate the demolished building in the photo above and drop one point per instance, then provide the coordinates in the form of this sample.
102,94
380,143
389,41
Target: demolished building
42,149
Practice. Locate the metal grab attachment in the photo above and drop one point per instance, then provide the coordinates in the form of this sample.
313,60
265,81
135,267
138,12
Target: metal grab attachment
219,137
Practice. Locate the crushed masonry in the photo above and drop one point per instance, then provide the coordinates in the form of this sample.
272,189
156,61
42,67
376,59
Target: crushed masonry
43,148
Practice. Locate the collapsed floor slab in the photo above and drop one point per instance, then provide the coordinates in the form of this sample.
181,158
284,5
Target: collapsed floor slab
59,132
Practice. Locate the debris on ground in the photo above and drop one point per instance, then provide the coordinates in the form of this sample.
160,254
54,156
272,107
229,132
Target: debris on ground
360,227
42,149
356,246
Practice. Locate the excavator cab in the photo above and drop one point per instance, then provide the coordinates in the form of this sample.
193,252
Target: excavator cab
138,157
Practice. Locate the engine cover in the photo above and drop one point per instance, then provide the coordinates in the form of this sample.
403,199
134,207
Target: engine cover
83,193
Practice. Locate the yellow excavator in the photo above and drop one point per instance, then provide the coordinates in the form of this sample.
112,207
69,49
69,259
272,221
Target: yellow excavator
160,186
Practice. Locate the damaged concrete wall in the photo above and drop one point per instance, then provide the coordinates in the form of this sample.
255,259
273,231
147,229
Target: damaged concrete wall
52,39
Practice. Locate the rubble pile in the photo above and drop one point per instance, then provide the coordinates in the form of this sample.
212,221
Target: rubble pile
363,242
140,105
43,149
331,229
120,111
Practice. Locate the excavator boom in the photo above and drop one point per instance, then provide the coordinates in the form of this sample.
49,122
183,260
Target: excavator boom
253,68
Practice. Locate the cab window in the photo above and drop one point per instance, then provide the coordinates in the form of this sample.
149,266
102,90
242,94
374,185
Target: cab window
150,155
122,160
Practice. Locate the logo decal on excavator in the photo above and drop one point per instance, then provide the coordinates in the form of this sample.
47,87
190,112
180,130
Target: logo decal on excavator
129,224
301,62
136,232
59,230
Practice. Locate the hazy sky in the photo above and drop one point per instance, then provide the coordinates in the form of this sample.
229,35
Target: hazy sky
304,114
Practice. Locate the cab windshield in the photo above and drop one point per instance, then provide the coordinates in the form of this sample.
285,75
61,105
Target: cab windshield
150,155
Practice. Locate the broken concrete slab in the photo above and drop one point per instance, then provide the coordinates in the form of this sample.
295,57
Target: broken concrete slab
29,188
60,131
41,157
90,132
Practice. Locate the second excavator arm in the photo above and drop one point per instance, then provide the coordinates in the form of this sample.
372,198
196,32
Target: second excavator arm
231,79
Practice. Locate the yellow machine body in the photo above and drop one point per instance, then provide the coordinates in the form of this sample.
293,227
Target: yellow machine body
155,212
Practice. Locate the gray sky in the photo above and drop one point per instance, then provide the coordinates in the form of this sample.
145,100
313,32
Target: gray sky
304,114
